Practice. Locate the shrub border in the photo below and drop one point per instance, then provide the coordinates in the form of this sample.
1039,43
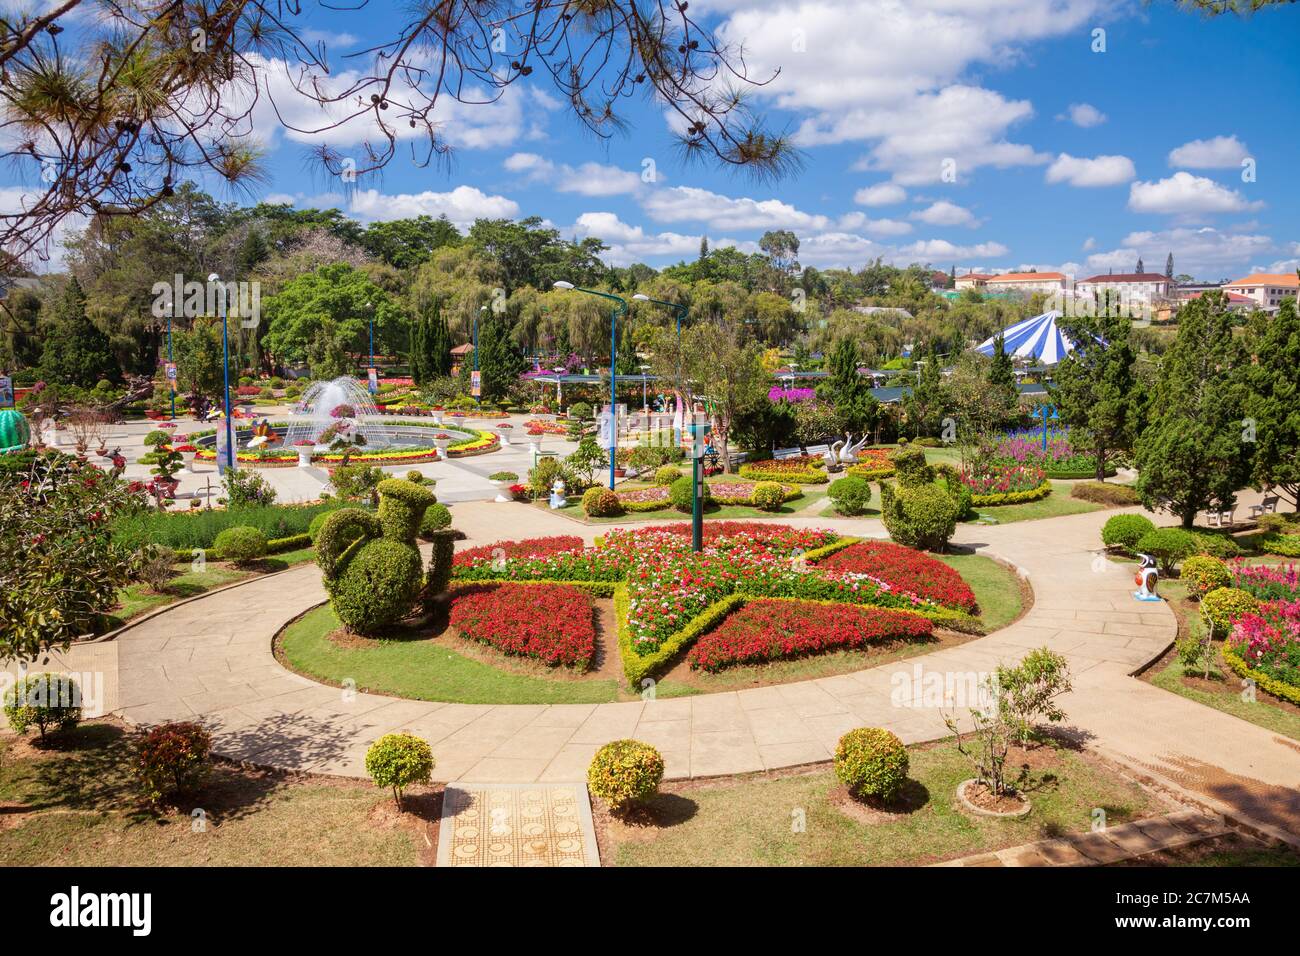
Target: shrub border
1012,497
1272,685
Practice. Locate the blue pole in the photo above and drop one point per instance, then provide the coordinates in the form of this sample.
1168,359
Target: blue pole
372,338
613,392
225,377
477,398
170,359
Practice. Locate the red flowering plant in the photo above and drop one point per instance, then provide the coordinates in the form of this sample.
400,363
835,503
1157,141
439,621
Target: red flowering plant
1269,641
343,411
905,570
549,622
766,630
1266,581
1003,479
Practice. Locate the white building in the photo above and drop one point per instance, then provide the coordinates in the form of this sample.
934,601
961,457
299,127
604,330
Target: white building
1266,289
1144,287
1053,283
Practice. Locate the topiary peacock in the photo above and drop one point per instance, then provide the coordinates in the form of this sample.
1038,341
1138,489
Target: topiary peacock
372,566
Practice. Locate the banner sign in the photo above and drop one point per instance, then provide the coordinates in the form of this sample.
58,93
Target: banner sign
169,370
476,383
374,380
6,392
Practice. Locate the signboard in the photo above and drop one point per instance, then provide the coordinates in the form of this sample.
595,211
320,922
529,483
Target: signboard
695,436
374,380
476,383
221,450
6,392
169,370
605,430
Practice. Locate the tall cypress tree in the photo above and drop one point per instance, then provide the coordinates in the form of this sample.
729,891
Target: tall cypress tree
1169,267
1191,455
1273,403
419,328
926,401
1002,376
1094,386
75,351
848,391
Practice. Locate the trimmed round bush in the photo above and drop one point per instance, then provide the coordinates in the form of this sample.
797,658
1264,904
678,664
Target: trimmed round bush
172,759
918,516
43,701
680,494
436,518
240,544
625,772
397,761
1222,606
768,496
871,762
667,474
317,522
378,585
157,437
418,478
1169,546
1217,545
851,495
503,476
911,467
598,502
1123,532
1203,574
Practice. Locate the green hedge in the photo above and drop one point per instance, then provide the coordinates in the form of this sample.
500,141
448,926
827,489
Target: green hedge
186,530
636,666
1069,475
1272,685
1011,497
1286,545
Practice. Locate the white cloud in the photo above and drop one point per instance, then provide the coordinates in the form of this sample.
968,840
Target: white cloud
1221,152
1084,115
896,75
944,213
692,204
1098,171
882,194
1089,243
944,251
589,179
1185,194
859,222
461,205
628,243
1204,251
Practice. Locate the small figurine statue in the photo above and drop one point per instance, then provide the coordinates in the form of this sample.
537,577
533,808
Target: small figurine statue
1146,578
557,494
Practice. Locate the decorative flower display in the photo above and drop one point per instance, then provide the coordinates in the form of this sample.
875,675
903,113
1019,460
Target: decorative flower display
793,395
550,622
1268,582
1004,479
343,411
536,426
1269,641
898,567
669,585
766,630
1025,446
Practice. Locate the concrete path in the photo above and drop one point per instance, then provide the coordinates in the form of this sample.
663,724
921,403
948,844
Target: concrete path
211,660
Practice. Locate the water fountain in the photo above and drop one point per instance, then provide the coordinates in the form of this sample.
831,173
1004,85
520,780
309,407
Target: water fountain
343,404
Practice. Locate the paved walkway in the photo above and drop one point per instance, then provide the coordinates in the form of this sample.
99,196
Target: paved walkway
211,659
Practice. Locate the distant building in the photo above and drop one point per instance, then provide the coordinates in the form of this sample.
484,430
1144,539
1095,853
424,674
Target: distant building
971,280
880,310
458,356
1167,311
1266,289
1028,282
1144,287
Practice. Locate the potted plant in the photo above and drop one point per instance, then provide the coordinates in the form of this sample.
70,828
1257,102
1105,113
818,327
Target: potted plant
187,453
505,480
504,428
442,441
535,439
304,447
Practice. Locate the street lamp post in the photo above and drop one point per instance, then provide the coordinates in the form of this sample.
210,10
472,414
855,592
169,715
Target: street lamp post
620,308
481,309
677,307
370,310
171,360
225,375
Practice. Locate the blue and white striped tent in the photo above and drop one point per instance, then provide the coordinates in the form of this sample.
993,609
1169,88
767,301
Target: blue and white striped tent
1036,338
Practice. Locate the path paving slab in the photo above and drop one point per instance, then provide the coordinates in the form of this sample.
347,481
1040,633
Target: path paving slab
511,824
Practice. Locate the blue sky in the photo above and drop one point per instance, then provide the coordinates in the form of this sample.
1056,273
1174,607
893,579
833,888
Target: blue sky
1065,156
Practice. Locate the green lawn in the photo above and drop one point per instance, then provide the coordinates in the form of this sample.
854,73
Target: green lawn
750,822
424,669
996,587
1054,505
76,805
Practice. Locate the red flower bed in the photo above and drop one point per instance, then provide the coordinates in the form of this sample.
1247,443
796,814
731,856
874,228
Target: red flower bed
903,569
766,630
549,622
527,548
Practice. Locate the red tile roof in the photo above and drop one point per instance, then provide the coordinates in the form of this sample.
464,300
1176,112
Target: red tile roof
1129,277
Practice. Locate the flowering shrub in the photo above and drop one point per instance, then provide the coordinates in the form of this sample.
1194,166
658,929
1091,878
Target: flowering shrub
803,469
897,567
1269,640
871,762
778,393
550,622
248,391
1004,479
1267,582
766,630
343,411
625,772
1025,446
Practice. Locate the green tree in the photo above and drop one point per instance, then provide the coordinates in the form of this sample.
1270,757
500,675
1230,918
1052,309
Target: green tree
339,298
728,373
925,403
849,391
500,361
1273,402
1094,386
198,355
406,243
1002,374
76,351
1191,455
